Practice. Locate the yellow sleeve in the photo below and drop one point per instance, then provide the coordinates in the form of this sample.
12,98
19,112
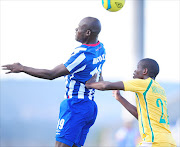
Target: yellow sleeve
135,85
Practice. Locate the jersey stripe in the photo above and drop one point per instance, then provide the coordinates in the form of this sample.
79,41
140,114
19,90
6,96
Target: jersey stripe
144,94
67,85
80,69
141,114
91,94
94,71
71,88
77,61
81,91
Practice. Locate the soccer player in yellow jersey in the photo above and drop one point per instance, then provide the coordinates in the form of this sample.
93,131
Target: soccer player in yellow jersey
151,103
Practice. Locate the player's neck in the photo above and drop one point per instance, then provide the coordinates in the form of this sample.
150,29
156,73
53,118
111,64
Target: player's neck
146,77
91,41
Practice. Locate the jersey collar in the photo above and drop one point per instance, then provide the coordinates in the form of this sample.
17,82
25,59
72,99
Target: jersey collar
92,44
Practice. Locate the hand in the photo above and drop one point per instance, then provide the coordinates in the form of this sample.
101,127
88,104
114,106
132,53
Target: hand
14,68
116,94
92,79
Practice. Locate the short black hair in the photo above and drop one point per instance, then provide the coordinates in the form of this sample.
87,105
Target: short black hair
151,65
93,24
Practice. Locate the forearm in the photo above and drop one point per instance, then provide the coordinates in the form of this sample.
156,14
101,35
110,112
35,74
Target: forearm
39,73
131,108
105,85
98,85
56,72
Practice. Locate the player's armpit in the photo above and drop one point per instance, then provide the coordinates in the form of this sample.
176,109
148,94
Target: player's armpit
59,71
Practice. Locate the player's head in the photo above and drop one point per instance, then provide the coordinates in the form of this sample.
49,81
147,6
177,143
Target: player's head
88,29
146,68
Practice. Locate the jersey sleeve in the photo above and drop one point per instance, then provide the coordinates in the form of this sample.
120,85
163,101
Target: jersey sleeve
135,85
77,62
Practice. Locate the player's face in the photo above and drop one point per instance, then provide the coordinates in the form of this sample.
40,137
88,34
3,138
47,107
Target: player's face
81,33
138,73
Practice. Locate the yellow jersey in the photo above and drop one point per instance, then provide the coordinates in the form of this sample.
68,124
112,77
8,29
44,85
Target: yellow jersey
152,110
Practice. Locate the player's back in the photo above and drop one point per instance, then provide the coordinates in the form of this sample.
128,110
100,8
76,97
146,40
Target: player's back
85,61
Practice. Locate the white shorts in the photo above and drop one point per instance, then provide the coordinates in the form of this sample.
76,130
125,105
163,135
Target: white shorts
155,144
145,144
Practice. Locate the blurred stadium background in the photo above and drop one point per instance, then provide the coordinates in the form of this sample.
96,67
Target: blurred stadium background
41,34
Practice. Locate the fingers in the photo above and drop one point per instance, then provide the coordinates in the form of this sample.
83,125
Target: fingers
14,68
8,72
8,67
116,93
5,68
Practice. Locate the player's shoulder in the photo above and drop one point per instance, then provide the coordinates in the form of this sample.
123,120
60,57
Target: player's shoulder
136,85
156,84
79,50
139,81
136,80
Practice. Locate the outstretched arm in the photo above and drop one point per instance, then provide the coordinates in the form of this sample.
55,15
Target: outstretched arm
105,85
131,108
56,72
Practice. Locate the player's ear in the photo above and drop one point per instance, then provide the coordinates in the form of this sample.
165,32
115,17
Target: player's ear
88,32
145,71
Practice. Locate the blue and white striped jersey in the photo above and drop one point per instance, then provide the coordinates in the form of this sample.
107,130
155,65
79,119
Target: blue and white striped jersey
84,62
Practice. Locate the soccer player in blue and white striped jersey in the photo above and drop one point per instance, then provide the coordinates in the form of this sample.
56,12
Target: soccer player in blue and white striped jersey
83,63
78,111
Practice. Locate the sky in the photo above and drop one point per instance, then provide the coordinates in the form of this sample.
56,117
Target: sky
41,34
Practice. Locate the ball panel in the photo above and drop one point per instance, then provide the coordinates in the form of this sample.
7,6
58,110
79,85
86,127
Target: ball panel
113,5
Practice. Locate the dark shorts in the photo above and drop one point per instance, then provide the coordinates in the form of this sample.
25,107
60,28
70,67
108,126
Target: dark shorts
75,118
